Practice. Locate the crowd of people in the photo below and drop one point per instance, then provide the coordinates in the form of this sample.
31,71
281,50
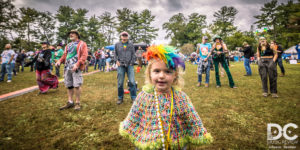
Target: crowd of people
162,115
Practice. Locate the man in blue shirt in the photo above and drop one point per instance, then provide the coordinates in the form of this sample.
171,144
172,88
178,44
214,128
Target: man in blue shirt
203,50
298,50
6,61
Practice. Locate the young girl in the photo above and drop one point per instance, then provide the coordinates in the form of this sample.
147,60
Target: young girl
162,116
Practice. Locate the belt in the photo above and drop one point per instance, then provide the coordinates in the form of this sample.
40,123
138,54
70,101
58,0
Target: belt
267,57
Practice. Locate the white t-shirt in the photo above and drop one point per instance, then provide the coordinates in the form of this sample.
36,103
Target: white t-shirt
6,55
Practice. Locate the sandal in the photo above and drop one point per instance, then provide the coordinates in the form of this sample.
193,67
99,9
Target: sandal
77,106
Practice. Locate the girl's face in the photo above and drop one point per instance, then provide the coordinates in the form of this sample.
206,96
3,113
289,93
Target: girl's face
161,76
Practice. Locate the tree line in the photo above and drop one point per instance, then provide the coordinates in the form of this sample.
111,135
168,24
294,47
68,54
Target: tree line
281,22
26,27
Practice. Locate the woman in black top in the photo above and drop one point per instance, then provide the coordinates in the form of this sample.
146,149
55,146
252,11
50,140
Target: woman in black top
44,77
267,56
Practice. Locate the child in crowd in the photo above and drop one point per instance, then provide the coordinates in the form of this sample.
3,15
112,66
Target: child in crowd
163,116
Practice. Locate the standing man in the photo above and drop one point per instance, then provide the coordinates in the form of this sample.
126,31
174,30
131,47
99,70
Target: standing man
6,59
279,57
57,55
247,54
23,57
97,59
125,57
203,50
102,59
74,57
139,55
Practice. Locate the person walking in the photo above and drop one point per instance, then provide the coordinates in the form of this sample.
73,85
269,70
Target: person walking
44,78
74,57
125,56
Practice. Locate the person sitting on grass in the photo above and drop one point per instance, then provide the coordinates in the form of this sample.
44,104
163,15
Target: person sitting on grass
163,116
219,48
42,62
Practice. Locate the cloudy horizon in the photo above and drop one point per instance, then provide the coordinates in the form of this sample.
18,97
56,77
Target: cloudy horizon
161,9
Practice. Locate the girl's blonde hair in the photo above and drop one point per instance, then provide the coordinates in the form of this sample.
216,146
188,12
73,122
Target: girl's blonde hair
178,82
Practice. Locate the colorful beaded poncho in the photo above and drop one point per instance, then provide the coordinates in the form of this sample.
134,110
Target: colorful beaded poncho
141,125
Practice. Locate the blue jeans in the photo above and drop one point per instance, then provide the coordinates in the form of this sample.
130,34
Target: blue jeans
97,61
207,72
6,68
102,64
121,75
247,66
279,62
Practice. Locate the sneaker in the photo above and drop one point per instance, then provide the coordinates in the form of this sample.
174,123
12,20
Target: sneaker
281,75
265,94
218,86
8,81
234,87
199,84
274,95
67,106
77,106
120,101
206,85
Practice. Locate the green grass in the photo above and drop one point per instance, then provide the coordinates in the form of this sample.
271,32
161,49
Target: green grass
236,118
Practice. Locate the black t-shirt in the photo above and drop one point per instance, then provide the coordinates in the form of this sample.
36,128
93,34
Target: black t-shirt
107,55
267,52
280,50
42,60
247,52
89,56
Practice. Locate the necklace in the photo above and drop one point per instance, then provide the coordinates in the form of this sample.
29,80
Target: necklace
166,143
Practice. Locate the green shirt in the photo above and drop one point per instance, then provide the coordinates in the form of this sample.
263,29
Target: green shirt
58,54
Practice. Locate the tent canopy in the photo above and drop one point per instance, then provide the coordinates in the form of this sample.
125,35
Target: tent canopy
291,50
110,47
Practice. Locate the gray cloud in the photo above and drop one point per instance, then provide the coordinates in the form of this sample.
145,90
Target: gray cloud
162,9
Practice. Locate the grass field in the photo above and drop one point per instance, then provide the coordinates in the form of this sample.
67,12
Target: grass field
236,118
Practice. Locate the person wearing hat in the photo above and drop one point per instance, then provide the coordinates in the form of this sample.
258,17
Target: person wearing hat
44,77
219,49
6,60
267,56
203,50
57,55
247,50
125,57
74,57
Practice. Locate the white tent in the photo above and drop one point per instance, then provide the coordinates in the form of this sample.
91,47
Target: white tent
291,50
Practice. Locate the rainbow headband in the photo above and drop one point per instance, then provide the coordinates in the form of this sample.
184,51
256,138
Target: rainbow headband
166,54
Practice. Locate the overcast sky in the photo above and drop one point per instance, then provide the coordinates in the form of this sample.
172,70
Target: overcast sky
162,9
